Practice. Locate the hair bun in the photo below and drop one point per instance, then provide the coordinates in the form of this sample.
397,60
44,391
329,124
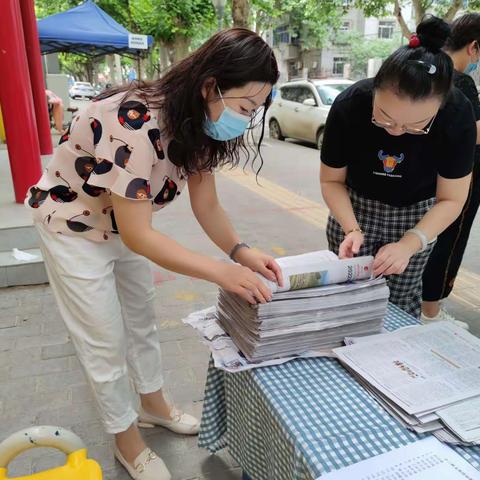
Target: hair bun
433,33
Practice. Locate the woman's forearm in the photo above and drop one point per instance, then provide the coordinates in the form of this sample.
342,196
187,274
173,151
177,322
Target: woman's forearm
439,217
338,201
172,256
218,227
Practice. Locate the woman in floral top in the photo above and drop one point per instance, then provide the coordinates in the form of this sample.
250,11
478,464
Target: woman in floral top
130,153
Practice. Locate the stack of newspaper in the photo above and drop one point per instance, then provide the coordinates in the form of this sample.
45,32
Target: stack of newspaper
313,312
428,377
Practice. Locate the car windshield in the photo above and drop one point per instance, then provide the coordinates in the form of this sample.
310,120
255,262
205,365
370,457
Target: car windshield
328,93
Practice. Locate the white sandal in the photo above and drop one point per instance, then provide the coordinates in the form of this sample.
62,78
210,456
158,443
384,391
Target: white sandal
147,466
181,423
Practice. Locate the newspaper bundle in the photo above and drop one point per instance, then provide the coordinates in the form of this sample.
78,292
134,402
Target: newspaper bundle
308,317
428,377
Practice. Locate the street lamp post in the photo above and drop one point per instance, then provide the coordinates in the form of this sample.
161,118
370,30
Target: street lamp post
219,8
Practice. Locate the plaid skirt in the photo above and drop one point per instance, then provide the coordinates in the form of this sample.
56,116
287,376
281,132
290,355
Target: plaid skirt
382,224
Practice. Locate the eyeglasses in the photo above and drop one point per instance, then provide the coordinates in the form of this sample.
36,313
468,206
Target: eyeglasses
412,131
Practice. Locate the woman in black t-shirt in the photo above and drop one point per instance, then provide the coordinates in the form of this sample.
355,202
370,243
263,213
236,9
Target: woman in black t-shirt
396,164
463,46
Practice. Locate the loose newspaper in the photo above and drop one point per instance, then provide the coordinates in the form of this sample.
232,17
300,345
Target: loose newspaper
426,459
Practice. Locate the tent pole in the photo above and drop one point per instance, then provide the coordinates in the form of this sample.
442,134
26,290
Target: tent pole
17,102
34,57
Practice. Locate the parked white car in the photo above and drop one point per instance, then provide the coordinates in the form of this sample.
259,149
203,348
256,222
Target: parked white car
300,109
82,90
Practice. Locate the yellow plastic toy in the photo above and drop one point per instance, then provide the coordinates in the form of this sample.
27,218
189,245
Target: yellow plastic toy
78,466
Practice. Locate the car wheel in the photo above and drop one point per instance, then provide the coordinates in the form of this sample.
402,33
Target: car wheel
275,131
320,139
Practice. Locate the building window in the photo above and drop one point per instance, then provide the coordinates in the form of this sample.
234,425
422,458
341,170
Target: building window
285,34
385,29
281,35
339,65
345,27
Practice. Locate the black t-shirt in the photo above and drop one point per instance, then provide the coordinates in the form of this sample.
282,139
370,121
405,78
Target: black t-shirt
397,170
467,86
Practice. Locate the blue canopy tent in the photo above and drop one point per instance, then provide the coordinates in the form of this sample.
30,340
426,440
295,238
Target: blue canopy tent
85,30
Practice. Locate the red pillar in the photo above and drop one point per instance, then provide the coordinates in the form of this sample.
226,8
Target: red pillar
34,57
17,103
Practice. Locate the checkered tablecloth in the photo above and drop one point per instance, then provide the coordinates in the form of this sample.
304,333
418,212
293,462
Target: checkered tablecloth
301,419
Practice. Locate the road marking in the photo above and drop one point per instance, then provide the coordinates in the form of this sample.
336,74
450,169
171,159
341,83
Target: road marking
187,296
308,210
467,284
280,251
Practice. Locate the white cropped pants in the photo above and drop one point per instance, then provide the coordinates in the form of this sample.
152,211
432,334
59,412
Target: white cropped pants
105,294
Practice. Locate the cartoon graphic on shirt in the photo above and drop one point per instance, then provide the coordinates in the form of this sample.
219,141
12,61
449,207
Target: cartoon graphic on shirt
62,193
66,135
37,197
92,190
96,129
122,155
77,226
112,218
84,167
167,193
132,115
154,136
139,189
390,162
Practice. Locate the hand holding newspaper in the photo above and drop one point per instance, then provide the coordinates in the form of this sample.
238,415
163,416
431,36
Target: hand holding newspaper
316,269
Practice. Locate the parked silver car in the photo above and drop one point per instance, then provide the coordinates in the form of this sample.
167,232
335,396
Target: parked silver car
82,90
299,109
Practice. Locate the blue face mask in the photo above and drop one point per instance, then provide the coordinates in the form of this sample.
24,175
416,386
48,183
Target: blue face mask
471,67
230,125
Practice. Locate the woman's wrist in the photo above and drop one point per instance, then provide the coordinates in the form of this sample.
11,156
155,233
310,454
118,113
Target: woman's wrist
412,242
236,248
353,230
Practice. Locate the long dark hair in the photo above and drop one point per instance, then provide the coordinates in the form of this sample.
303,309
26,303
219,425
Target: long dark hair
233,58
465,30
421,69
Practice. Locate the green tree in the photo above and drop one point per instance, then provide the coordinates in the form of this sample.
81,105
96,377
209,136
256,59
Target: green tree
174,24
362,49
313,20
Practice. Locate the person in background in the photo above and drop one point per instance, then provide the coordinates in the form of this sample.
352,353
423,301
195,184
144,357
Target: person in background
397,157
55,108
463,46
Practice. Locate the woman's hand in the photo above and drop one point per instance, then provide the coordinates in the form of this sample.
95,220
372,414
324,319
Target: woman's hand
242,281
351,245
393,258
261,263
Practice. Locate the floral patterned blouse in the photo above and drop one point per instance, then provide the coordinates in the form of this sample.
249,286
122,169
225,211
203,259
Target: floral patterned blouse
114,145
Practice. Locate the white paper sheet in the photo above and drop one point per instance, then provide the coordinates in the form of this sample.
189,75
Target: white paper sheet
421,369
463,419
426,459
